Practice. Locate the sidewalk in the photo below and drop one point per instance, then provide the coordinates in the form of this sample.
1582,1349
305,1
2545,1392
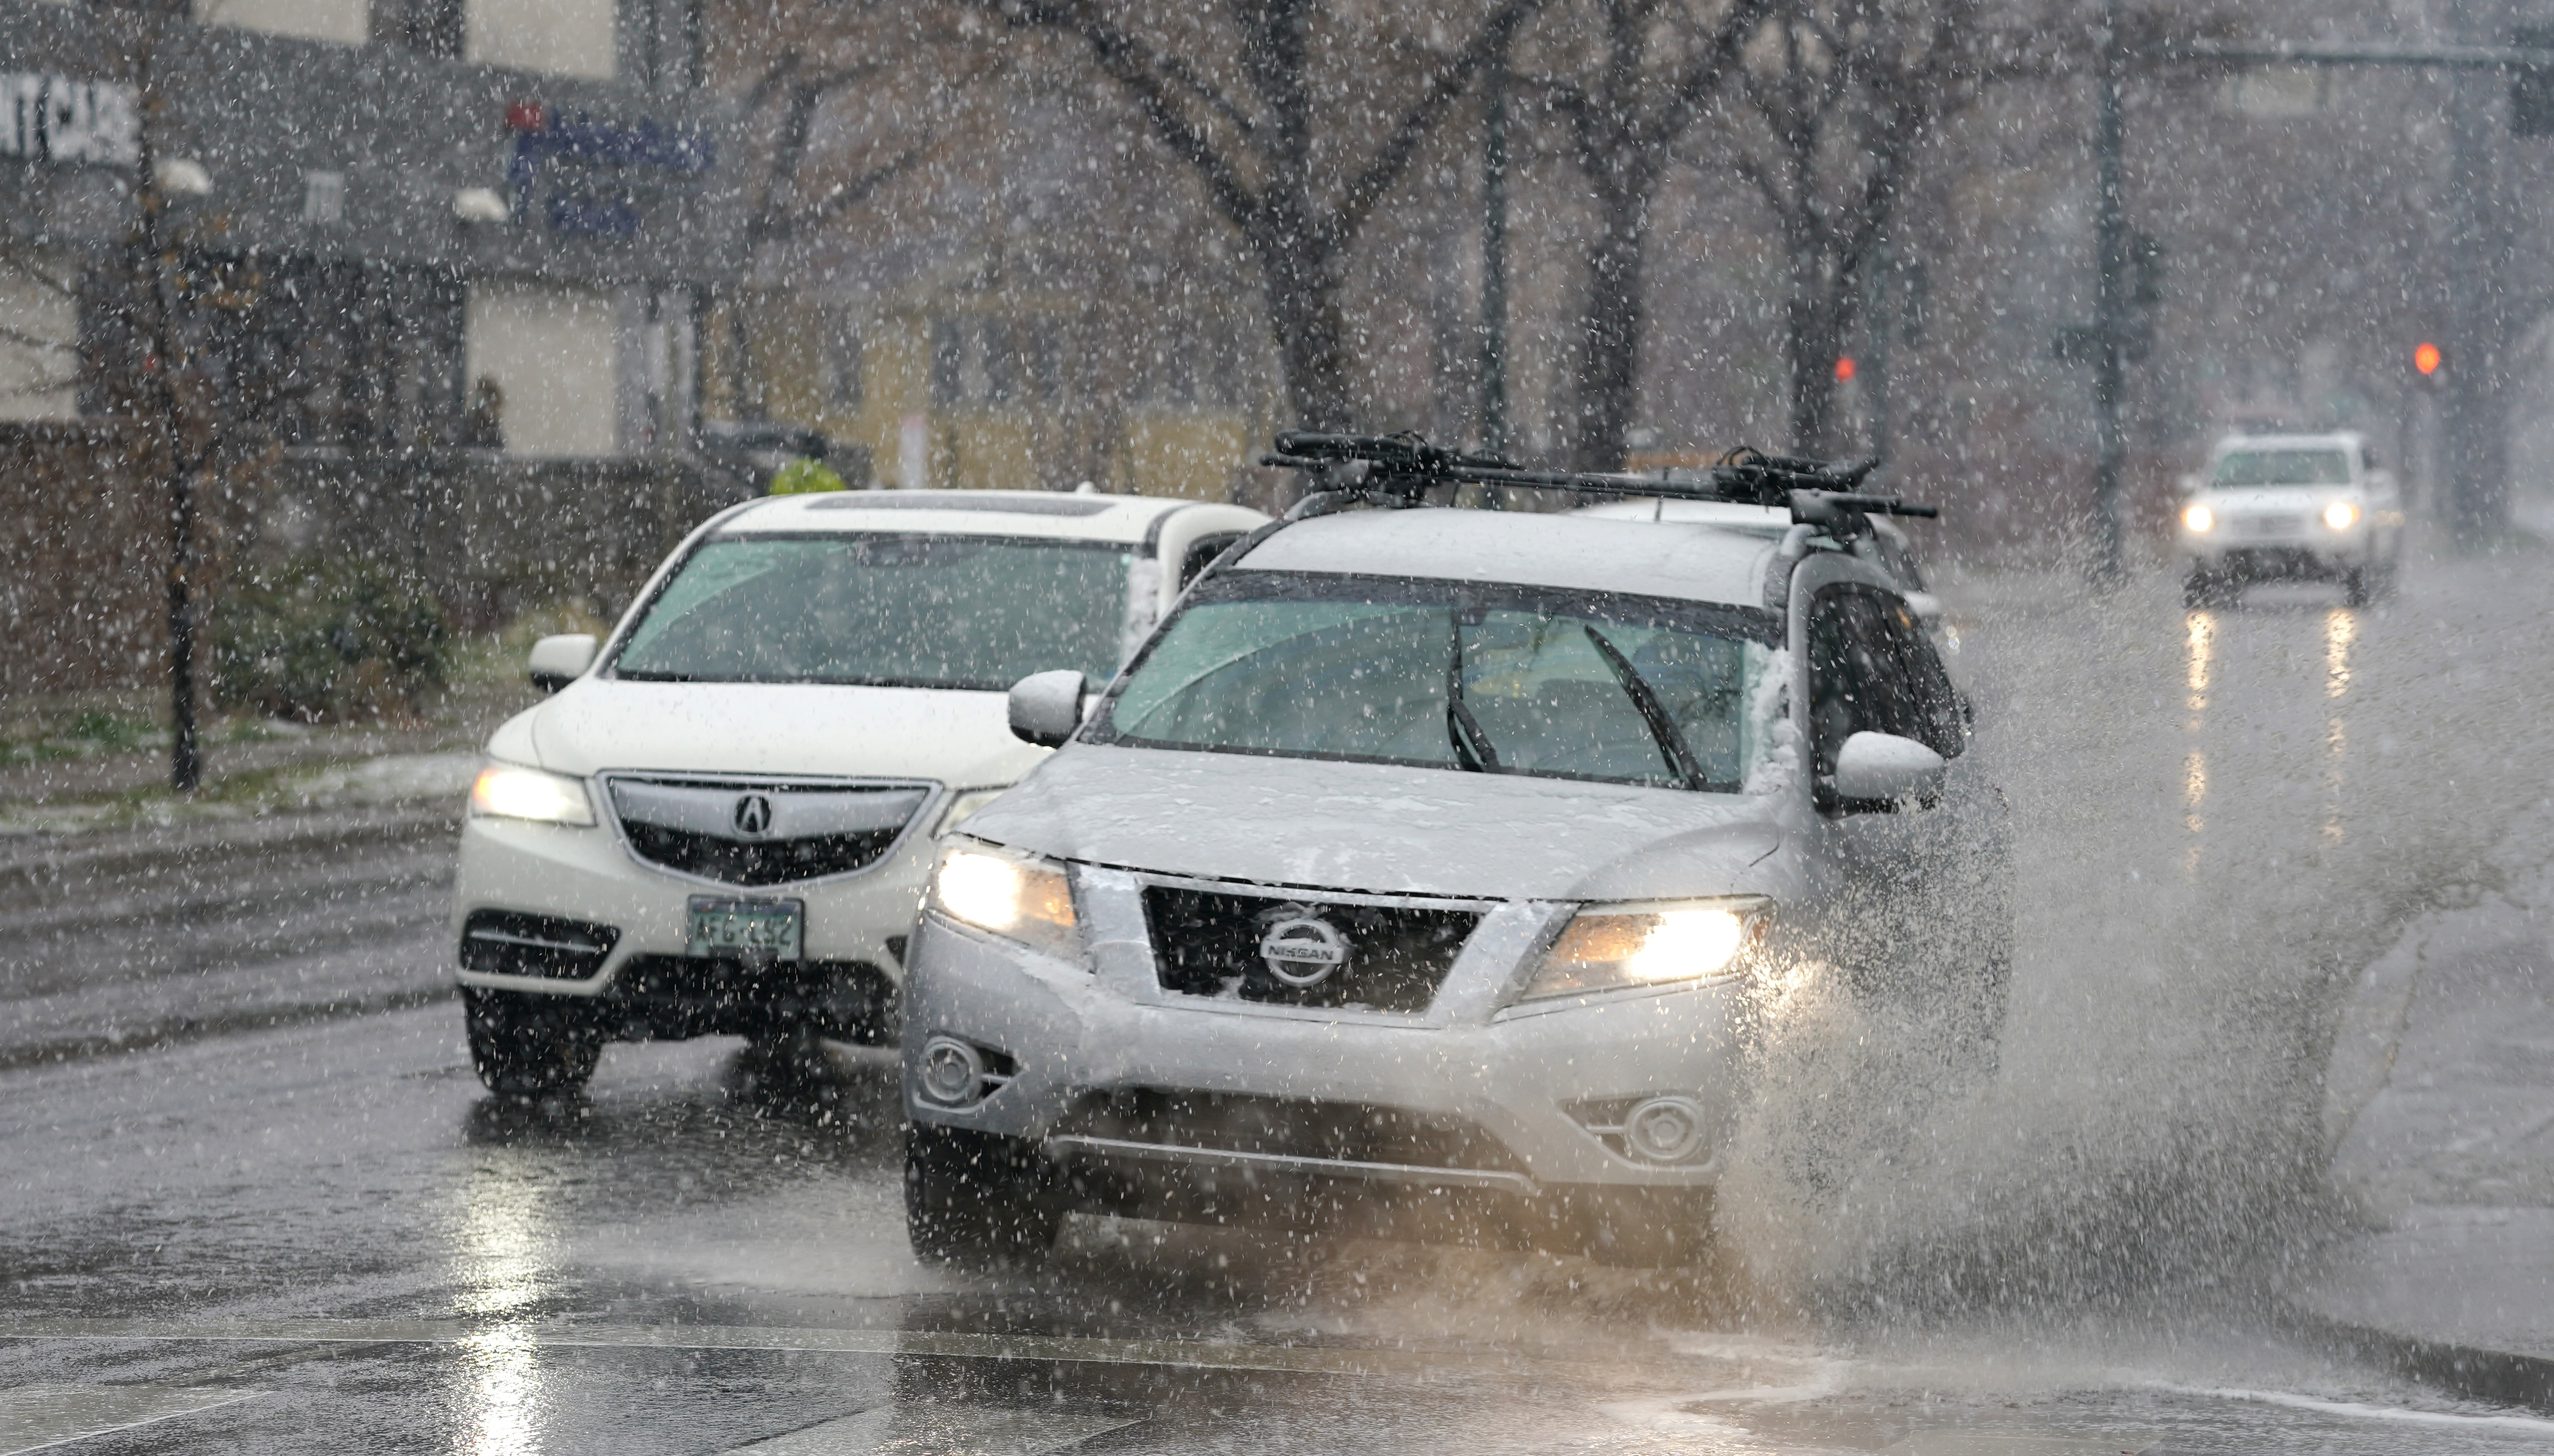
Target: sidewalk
2441,1113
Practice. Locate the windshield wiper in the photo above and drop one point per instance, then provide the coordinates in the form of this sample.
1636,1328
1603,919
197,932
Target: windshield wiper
1472,748
1663,729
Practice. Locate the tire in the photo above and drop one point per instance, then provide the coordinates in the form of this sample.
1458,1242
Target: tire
524,1046
975,1200
2354,587
2204,588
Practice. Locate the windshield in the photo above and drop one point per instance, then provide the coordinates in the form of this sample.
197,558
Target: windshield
1455,675
2285,468
893,610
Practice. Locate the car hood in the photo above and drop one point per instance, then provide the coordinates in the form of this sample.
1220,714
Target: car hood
960,738
1380,827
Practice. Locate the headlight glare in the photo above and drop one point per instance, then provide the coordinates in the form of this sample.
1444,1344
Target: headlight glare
512,791
2341,515
2199,518
1610,947
1008,895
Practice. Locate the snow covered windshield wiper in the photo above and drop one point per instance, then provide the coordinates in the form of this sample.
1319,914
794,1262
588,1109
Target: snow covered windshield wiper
1472,748
1671,743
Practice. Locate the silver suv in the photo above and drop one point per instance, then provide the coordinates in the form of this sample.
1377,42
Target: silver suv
1424,868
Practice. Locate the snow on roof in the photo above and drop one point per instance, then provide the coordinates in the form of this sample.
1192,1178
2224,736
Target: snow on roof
1730,514
1047,513
1576,552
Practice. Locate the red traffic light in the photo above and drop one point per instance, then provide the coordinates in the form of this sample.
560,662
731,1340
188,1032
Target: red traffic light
2426,358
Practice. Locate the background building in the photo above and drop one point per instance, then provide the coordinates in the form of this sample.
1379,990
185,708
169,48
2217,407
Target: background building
442,266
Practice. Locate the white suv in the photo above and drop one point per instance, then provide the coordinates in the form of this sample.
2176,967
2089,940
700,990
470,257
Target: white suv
2313,507
1433,862
722,820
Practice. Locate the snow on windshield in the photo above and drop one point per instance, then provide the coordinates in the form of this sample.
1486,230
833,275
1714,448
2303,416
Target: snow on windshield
887,610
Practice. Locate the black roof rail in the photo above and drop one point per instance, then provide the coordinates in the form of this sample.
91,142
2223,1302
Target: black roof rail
1399,470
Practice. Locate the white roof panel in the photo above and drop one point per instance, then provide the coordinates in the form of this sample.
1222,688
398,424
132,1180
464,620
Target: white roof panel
1699,563
1036,513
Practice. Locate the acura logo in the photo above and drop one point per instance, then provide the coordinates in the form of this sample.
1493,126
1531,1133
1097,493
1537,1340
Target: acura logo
1301,950
752,815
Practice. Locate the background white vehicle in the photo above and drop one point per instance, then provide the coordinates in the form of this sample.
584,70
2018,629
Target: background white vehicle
2293,508
1428,862
722,820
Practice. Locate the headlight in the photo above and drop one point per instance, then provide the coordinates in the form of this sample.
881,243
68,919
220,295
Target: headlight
511,791
963,806
2199,518
1613,946
2341,515
1019,899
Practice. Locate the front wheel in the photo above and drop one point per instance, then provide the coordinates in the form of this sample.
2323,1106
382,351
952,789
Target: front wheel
2205,588
529,1046
975,1200
2353,586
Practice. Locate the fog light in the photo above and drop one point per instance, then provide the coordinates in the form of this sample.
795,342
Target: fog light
1664,1129
953,1072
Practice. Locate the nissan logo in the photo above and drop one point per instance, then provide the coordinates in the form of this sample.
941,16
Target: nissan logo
1302,950
752,815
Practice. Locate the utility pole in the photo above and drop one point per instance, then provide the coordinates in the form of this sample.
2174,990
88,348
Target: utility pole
1494,259
2110,308
1880,319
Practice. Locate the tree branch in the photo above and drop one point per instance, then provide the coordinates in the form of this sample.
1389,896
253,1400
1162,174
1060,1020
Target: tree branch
1446,83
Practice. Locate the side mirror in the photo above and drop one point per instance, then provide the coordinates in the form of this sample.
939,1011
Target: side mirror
1927,607
560,660
1046,707
1886,767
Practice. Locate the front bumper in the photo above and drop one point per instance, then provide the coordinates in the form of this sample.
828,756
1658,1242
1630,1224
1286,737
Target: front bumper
2238,546
1144,1101
844,984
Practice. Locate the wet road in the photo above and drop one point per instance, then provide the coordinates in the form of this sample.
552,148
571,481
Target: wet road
321,1236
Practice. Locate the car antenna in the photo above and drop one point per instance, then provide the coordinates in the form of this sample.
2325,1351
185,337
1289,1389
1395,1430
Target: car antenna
1397,470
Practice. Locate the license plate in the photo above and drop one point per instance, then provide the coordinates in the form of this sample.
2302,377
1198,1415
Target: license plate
759,929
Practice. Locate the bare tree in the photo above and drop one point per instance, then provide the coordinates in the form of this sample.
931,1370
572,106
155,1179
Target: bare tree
1638,72
1299,118
156,295
1847,92
789,200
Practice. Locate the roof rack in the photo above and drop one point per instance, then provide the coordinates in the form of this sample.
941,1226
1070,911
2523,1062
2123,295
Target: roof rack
1399,470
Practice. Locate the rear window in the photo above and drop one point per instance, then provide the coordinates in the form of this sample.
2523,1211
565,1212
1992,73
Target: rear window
883,610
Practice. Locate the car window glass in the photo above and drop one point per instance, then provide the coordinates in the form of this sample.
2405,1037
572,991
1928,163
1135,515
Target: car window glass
887,609
2283,467
1203,552
1370,680
1922,702
1871,670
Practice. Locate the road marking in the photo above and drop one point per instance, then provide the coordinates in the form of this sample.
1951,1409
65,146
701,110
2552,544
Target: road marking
33,1417
925,1429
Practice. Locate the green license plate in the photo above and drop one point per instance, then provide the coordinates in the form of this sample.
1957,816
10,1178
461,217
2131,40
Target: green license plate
759,930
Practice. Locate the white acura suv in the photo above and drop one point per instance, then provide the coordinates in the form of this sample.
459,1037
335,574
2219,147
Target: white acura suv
1438,861
722,819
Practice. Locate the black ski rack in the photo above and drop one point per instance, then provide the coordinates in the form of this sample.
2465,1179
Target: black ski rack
1399,470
